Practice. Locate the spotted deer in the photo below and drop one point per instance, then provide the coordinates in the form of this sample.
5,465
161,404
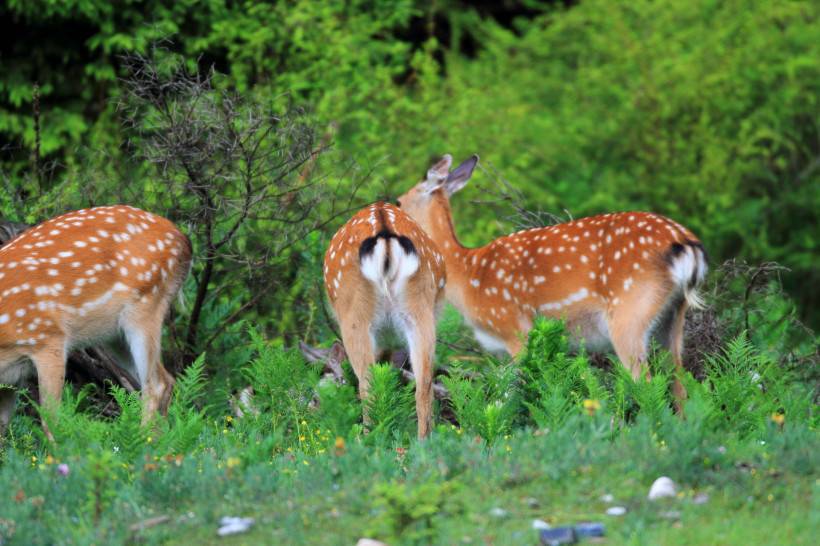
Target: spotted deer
383,271
79,279
617,279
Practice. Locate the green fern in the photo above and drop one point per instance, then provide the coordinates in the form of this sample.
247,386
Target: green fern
390,405
189,388
623,404
551,411
126,434
186,420
339,408
737,378
485,405
70,425
652,397
554,384
282,381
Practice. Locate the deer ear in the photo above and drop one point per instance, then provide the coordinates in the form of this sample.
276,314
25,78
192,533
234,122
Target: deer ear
438,173
459,177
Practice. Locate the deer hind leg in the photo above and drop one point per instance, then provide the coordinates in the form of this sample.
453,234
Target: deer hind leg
630,323
421,340
673,341
143,333
355,311
49,362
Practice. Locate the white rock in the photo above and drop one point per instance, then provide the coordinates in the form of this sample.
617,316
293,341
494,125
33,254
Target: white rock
369,542
540,525
607,498
671,514
233,526
615,511
700,498
498,512
663,487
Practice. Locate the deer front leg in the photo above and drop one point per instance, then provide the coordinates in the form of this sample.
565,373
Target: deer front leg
49,361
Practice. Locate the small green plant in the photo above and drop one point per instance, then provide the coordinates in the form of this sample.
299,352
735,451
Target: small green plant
390,407
186,419
651,397
737,379
339,408
485,404
127,435
102,484
283,384
408,514
554,383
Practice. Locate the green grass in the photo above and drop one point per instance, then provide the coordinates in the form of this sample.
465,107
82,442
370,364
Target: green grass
310,475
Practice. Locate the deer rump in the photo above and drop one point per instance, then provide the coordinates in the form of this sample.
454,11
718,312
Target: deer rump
387,260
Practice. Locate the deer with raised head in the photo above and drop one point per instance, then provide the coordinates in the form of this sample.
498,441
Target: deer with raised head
616,279
380,271
82,278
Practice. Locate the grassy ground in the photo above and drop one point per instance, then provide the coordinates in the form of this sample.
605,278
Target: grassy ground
546,439
446,491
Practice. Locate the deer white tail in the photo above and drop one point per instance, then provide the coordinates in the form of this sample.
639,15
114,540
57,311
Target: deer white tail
687,265
388,260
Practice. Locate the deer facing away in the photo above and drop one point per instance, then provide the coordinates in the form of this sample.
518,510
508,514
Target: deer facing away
79,279
380,271
617,279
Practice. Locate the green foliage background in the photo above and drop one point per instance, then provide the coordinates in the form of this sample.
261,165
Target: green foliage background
705,111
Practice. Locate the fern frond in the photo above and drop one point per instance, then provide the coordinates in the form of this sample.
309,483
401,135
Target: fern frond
190,385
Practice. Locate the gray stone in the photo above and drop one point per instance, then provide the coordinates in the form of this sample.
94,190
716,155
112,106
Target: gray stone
662,487
540,524
700,498
369,542
498,512
233,526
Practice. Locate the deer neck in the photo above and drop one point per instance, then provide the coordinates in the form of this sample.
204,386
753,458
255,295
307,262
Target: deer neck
457,257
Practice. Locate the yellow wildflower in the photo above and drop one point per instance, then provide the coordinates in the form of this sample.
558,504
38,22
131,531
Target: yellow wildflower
591,406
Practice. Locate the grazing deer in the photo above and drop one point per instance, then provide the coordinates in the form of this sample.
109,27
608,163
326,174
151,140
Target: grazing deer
615,278
382,270
81,278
